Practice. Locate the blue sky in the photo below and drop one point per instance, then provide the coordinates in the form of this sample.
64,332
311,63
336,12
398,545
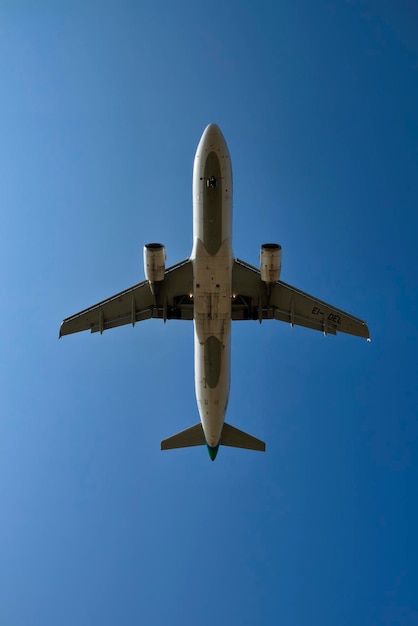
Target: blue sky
101,109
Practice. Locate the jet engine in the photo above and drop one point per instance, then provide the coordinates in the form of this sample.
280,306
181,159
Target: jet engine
270,262
154,264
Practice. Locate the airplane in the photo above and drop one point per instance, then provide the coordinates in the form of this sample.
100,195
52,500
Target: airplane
213,288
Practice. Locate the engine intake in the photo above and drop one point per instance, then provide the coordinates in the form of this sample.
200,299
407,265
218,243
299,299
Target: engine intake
154,264
270,262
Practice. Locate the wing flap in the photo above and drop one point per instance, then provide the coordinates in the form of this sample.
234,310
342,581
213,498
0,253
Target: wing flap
286,316
122,320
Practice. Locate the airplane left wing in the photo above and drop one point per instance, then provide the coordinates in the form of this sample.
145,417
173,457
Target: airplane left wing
138,303
251,300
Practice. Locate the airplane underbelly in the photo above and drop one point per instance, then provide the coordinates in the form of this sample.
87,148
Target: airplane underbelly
212,382
212,260
212,325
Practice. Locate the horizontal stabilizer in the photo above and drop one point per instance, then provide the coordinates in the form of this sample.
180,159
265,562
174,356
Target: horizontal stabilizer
238,439
192,436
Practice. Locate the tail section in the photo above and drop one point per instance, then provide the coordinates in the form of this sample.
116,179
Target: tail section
194,436
236,438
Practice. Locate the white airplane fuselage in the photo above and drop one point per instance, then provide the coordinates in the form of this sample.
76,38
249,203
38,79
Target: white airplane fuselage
212,259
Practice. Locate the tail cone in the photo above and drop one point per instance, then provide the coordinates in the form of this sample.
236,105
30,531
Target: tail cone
213,451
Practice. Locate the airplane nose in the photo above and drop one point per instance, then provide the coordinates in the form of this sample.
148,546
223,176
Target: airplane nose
213,131
212,140
212,128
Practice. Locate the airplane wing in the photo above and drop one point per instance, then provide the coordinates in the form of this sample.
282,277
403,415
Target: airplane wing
138,303
251,301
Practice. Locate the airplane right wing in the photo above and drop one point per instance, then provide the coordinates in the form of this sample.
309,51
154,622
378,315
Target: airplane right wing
138,303
251,300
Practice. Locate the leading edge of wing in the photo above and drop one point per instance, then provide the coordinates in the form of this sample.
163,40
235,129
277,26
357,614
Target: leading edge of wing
131,305
289,304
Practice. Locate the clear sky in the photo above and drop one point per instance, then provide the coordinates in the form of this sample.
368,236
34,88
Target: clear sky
102,105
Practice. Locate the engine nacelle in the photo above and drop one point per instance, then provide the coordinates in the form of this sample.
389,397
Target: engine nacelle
270,262
154,264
